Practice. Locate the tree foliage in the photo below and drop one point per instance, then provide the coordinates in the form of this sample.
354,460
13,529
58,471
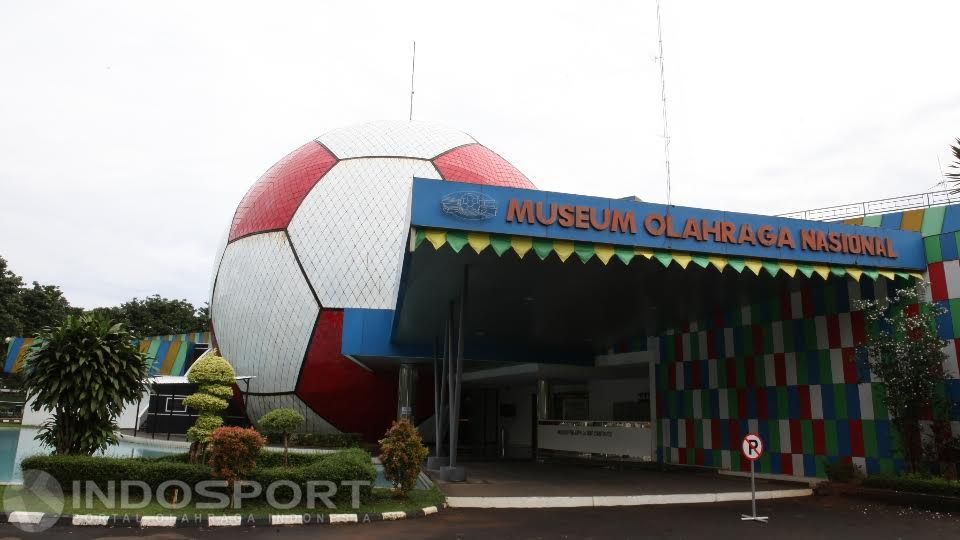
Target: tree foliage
158,316
84,372
954,173
906,355
27,310
214,377
283,421
402,453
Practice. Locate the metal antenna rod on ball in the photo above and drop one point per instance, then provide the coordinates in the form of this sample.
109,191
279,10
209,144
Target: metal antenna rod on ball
413,70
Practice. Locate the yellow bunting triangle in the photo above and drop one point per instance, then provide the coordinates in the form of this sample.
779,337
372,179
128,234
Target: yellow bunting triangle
824,271
754,265
682,259
604,252
916,275
719,262
563,248
436,238
647,254
478,241
888,274
855,273
521,245
789,268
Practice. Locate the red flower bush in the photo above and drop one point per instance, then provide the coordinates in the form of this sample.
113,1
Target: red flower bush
233,452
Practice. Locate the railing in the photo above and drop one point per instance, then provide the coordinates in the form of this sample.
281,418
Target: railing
881,206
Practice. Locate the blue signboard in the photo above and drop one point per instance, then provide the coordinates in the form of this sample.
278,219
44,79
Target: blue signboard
562,216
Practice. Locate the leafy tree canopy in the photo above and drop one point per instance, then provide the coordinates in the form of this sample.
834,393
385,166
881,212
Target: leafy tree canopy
157,316
26,310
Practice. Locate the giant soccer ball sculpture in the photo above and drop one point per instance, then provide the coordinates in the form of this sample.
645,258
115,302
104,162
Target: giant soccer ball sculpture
325,229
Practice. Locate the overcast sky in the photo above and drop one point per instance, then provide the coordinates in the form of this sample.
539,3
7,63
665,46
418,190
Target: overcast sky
129,131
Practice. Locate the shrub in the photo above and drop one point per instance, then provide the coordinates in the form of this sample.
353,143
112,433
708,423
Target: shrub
101,470
914,483
214,378
402,453
328,440
284,422
346,465
233,452
844,472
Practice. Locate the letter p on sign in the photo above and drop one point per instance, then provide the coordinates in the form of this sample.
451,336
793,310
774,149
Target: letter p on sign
752,447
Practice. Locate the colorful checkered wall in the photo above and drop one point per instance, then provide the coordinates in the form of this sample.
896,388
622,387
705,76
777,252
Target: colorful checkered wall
787,368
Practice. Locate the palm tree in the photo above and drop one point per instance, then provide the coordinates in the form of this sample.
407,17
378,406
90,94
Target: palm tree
954,173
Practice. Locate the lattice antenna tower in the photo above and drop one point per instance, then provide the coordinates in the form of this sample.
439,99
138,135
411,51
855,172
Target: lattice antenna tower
663,99
413,71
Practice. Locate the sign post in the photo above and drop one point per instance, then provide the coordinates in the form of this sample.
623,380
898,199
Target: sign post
752,449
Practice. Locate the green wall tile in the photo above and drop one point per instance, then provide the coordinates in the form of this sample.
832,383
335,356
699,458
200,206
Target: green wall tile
870,447
806,431
840,401
830,428
872,221
931,246
932,221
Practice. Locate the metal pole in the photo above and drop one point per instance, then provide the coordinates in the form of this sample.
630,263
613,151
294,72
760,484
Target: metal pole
753,488
436,396
172,398
246,410
136,417
452,389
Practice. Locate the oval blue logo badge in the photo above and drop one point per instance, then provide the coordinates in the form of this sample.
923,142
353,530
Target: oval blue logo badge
469,206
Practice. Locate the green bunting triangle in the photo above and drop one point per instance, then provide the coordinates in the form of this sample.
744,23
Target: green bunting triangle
583,251
624,254
542,247
736,264
500,244
456,240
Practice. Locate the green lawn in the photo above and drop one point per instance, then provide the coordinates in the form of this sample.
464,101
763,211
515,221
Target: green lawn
381,501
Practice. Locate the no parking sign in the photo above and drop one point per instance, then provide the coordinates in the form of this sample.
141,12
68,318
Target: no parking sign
752,448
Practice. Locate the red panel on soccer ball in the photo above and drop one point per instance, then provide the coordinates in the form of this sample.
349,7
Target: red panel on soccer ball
348,396
478,164
272,201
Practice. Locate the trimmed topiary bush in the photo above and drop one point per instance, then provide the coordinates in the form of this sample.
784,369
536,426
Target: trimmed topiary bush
402,454
283,422
214,378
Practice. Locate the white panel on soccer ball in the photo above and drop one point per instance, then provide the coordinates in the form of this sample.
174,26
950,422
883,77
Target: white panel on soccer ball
265,311
393,139
257,406
350,231
221,248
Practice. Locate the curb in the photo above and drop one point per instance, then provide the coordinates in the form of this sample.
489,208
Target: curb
620,500
198,521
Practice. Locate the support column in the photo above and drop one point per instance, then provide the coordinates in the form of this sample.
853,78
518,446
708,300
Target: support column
454,473
438,460
544,410
407,392
544,398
